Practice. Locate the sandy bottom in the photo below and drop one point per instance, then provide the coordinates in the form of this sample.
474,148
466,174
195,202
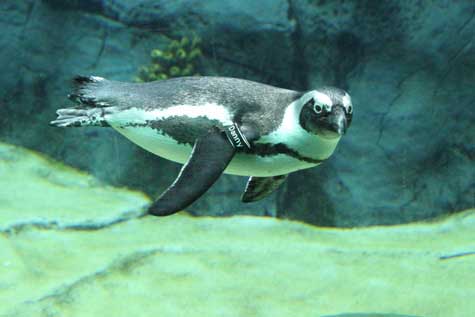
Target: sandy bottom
98,257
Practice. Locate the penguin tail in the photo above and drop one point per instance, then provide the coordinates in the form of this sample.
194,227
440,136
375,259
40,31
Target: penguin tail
90,91
92,104
79,117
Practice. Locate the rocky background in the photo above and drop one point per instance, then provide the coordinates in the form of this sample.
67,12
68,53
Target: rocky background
409,66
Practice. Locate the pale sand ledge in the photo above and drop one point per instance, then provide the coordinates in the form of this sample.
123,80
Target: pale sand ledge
240,266
184,266
35,190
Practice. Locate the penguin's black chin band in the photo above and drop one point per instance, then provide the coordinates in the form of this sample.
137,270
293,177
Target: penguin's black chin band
328,134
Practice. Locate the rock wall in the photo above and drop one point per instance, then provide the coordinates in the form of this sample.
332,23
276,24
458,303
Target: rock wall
408,65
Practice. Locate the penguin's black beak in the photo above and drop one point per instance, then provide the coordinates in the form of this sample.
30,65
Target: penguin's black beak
337,120
329,125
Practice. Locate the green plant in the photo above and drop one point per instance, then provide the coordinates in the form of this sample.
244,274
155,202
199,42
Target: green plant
179,58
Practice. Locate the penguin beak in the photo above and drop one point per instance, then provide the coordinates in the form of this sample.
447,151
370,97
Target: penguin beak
338,121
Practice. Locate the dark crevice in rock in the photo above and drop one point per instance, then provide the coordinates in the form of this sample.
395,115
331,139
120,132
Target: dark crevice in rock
449,66
82,5
382,21
384,116
214,53
456,255
415,193
40,92
159,27
101,49
54,225
438,159
467,22
29,14
467,150
125,264
466,46
344,63
111,13
299,65
394,100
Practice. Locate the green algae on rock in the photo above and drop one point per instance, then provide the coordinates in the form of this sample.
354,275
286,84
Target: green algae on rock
180,58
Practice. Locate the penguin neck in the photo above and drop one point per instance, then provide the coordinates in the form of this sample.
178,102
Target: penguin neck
291,133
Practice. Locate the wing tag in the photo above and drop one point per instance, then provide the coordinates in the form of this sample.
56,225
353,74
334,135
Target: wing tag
236,137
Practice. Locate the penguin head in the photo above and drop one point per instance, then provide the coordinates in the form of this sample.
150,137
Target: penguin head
326,112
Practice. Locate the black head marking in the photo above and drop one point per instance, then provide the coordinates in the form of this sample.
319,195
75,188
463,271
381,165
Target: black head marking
327,120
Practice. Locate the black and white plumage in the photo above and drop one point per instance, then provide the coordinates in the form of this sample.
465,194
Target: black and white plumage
216,125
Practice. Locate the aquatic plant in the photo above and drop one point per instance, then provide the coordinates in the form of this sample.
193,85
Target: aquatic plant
179,58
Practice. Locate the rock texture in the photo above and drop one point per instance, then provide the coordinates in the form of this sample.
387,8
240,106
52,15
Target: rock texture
410,152
408,65
72,247
36,191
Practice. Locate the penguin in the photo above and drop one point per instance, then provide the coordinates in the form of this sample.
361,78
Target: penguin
215,125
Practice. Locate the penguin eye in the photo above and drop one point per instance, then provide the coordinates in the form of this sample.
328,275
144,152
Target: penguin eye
350,109
317,108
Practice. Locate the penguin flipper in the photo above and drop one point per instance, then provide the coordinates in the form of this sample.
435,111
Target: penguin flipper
259,187
210,156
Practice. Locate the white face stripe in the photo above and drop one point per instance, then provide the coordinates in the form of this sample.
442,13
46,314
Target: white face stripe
346,100
97,78
291,133
290,121
321,98
210,111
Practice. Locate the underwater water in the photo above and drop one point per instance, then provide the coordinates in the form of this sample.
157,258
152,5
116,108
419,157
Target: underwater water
384,226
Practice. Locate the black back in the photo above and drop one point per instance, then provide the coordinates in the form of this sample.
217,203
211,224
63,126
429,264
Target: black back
250,103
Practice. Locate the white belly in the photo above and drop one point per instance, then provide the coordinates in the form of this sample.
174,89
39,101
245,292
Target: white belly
242,164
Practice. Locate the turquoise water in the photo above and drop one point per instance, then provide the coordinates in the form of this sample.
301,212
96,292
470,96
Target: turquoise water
74,201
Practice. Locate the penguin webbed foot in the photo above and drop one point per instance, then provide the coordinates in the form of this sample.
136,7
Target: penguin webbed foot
258,188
